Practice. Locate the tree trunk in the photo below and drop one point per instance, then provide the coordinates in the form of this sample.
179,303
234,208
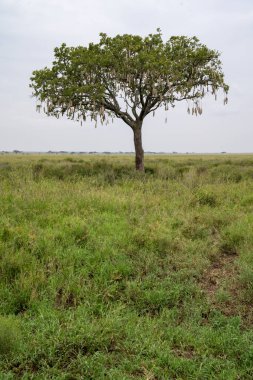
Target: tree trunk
139,152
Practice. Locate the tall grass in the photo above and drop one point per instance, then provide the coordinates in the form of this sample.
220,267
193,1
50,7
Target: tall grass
109,273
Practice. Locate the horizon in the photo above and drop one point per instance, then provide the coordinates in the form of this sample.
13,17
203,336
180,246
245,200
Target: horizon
17,151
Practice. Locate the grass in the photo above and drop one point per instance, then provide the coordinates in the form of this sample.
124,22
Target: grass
106,273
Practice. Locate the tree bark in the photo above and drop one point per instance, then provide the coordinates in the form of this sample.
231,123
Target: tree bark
139,152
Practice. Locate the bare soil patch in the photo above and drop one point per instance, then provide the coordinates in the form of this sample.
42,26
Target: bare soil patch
223,275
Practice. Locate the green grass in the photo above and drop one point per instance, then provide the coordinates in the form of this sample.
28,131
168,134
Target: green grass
106,273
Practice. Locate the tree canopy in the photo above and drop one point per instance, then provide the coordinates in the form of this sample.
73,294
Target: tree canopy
128,77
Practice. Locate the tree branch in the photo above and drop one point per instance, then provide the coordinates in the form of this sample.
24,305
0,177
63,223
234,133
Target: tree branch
123,115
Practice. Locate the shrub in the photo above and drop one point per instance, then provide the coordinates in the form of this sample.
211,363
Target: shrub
9,336
206,198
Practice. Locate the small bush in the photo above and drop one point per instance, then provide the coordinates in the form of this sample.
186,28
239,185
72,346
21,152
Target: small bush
9,336
232,239
206,198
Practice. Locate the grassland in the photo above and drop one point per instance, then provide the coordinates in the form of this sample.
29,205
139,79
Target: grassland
106,273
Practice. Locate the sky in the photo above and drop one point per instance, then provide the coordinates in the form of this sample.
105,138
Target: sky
31,29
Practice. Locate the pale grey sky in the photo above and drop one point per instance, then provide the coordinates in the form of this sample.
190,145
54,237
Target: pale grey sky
30,29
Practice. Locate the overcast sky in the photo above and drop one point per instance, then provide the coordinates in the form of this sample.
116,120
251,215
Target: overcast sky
30,29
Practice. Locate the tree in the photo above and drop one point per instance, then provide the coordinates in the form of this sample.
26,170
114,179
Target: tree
128,77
